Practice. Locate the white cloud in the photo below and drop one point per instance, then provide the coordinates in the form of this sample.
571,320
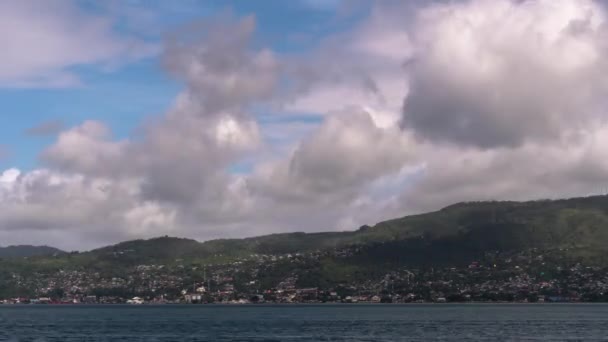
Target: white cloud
533,171
500,73
8,177
86,148
344,155
358,68
174,175
42,40
78,210
222,72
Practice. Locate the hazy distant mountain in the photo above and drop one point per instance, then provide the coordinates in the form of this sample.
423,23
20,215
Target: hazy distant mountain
28,251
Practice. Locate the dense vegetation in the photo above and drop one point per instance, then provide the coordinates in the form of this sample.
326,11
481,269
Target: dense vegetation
570,229
461,229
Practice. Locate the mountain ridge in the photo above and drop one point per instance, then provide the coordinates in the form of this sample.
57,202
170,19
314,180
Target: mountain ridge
577,219
502,224
17,251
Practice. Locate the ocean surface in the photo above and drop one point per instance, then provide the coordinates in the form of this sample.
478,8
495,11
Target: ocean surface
391,322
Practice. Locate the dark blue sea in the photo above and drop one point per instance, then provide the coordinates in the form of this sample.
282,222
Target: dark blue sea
437,322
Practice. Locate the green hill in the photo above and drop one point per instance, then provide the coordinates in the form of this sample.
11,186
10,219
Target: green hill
461,230
465,228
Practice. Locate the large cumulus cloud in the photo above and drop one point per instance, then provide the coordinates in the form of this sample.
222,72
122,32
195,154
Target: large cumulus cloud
451,174
348,151
500,73
175,171
507,100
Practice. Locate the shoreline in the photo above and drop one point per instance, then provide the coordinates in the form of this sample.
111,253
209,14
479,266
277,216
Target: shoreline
299,304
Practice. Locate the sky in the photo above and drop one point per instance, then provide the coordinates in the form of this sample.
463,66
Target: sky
132,119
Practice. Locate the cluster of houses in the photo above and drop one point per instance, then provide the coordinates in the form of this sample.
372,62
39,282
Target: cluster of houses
523,277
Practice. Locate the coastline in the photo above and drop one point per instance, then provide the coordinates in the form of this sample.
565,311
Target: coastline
299,304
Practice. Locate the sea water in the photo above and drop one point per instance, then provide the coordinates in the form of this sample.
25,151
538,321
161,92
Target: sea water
391,322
